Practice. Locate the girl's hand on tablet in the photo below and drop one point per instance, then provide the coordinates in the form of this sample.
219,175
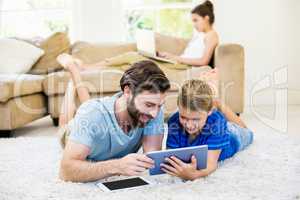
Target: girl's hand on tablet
186,171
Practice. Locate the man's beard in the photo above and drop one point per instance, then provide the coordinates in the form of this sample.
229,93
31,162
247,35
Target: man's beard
135,114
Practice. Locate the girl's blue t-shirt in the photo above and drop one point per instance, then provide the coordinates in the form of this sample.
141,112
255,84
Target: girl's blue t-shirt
214,134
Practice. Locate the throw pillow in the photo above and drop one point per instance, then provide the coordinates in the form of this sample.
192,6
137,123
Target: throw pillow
17,57
53,46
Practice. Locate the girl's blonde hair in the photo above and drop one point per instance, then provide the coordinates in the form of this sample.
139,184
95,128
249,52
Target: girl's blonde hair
195,95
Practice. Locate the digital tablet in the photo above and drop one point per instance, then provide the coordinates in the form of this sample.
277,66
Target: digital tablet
184,154
123,184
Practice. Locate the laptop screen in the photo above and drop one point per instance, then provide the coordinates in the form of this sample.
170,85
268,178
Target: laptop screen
145,40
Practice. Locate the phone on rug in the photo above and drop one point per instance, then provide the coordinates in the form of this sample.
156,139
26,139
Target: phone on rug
123,184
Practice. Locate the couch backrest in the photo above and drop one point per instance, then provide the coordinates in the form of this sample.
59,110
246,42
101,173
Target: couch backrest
170,44
96,52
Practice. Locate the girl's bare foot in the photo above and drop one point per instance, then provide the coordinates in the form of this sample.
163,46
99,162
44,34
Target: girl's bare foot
79,64
69,62
66,60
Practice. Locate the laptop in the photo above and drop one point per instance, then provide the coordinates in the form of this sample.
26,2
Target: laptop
184,154
145,40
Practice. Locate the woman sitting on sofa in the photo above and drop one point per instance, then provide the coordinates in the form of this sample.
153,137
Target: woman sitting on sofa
198,52
200,49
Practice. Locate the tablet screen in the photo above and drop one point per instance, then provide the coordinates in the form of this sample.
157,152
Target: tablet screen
127,183
184,154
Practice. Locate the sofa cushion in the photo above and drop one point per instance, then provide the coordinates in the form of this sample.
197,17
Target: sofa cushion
19,85
174,45
53,46
17,57
107,79
19,111
93,53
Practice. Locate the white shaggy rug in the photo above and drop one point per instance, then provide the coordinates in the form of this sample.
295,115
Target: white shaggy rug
269,169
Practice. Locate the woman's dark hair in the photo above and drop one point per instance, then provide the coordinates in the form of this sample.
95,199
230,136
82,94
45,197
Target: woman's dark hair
145,75
205,9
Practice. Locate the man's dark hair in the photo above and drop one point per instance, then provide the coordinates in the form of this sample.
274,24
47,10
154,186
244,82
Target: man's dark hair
145,75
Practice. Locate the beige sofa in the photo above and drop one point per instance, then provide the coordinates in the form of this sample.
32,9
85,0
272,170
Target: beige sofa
30,97
229,58
22,97
22,100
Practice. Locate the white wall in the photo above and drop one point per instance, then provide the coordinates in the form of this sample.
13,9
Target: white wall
0,13
267,29
294,72
98,21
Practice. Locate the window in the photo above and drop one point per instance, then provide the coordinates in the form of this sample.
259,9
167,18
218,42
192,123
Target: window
30,18
170,17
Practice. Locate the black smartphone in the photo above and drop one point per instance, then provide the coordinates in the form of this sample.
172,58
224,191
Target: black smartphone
123,184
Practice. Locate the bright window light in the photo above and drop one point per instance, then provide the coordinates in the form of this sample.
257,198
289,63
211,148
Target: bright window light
31,18
171,17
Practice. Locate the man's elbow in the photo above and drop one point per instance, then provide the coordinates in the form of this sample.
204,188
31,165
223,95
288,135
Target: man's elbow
64,172
63,175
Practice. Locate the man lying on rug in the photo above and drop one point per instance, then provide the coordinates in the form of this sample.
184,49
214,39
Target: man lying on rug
105,134
202,121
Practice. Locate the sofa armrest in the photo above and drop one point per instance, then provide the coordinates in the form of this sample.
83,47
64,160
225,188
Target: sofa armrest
230,60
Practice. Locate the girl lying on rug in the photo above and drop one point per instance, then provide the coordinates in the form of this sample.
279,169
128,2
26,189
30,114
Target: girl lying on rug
202,121
198,52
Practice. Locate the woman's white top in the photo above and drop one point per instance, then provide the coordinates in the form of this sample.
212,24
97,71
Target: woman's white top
196,46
